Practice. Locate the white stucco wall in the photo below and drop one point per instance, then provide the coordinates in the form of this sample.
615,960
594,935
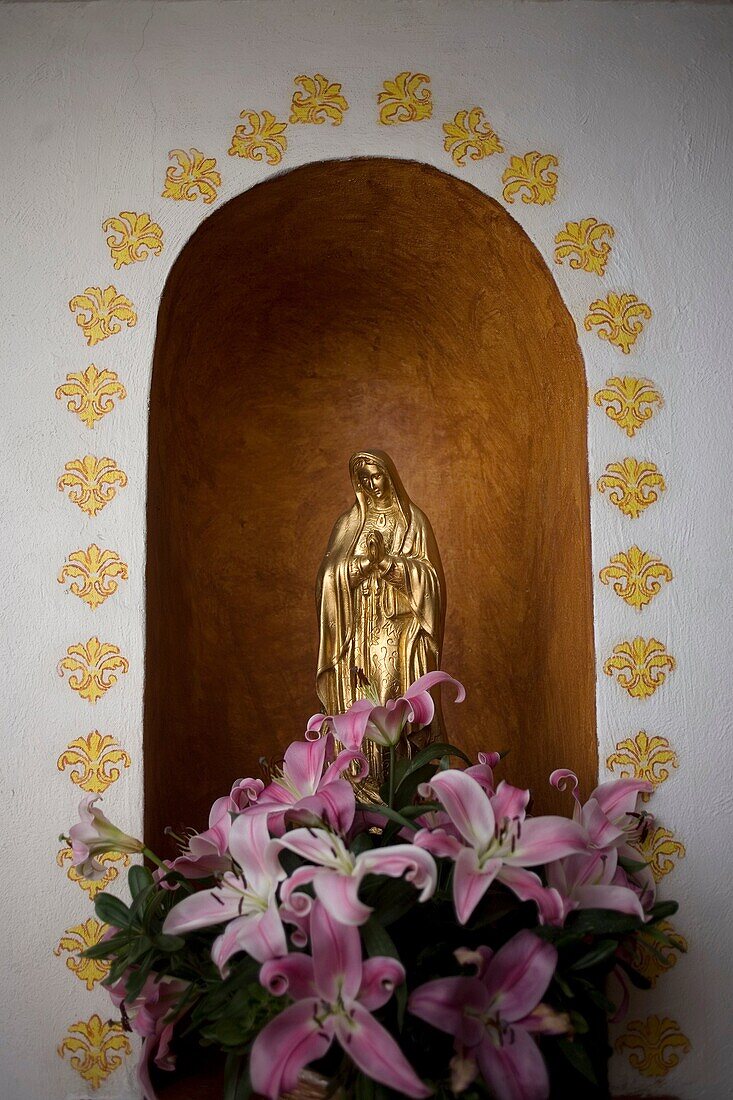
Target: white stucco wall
634,100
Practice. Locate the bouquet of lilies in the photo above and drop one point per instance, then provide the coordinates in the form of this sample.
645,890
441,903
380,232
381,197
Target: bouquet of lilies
429,937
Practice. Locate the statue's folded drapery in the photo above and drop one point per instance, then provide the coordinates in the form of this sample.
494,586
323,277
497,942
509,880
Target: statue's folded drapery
385,629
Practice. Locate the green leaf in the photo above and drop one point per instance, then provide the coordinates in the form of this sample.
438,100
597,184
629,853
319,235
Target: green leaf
602,922
168,943
632,865
139,879
596,955
662,910
433,752
393,815
578,1057
111,910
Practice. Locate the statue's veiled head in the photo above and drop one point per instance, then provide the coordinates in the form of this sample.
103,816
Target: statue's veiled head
376,481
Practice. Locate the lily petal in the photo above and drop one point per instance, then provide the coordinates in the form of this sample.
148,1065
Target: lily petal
544,839
518,975
470,882
336,950
204,908
284,1047
376,1053
380,976
453,1005
292,974
516,1070
467,805
340,896
417,866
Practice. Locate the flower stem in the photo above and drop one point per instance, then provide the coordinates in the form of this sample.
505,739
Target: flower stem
391,776
153,858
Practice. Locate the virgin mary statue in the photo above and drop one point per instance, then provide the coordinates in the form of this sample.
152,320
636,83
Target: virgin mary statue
380,594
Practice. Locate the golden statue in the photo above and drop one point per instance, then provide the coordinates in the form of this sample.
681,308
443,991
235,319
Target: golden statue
380,594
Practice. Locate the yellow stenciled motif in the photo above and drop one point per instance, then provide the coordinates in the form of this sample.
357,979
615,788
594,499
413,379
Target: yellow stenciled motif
96,757
77,939
101,313
629,402
94,886
405,99
92,668
137,237
643,757
640,666
96,1049
659,1042
619,318
531,176
260,137
192,177
660,849
637,576
92,393
583,242
92,482
469,134
320,99
632,485
93,574
652,958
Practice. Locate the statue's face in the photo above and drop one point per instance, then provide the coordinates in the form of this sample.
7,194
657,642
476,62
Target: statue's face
375,482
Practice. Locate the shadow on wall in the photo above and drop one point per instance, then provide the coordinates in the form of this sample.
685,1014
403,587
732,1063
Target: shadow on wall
369,302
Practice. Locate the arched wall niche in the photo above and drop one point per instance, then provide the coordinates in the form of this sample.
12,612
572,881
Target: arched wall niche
369,302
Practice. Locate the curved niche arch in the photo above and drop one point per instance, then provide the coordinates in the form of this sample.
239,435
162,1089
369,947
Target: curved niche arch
369,302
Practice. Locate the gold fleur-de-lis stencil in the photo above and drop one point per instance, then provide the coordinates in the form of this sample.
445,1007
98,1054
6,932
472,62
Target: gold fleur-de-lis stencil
619,318
260,137
97,759
92,393
643,757
92,887
531,176
632,485
640,666
96,1049
660,848
92,668
650,956
637,576
629,402
138,237
318,99
77,939
94,574
405,99
92,482
657,1044
583,242
101,313
193,176
469,134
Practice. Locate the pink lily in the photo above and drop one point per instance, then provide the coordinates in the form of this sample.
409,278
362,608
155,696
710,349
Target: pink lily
312,785
336,873
93,835
497,840
245,899
610,817
589,881
493,1016
386,724
335,992
153,1015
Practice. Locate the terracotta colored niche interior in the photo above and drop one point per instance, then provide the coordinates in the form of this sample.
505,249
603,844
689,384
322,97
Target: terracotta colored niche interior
343,305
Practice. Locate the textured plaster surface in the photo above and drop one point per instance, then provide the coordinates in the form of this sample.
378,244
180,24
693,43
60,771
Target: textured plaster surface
634,100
